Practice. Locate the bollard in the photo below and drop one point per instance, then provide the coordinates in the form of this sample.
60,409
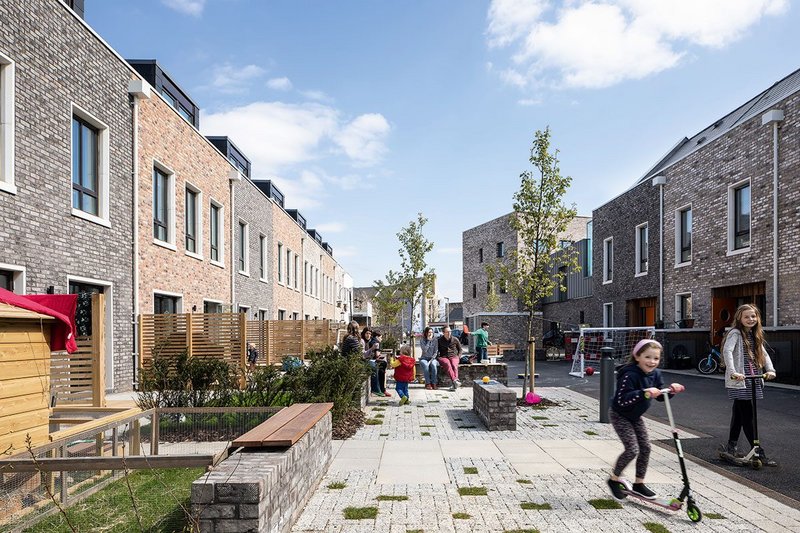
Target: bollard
607,385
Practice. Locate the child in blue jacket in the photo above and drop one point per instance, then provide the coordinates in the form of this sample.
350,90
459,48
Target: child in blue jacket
637,383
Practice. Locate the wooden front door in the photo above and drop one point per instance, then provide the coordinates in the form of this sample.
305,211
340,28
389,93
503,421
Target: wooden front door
722,311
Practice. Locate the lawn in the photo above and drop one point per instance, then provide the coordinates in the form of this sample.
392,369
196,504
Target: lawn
159,495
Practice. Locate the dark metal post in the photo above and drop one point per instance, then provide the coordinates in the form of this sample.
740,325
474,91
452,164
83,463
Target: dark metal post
607,384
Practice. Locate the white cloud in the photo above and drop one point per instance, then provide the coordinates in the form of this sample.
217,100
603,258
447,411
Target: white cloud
591,43
230,79
190,7
318,96
331,227
527,102
280,84
302,192
363,139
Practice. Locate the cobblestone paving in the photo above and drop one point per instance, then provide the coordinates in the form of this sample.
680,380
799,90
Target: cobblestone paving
550,461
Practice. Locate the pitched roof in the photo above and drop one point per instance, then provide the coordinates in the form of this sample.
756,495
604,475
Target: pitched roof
752,108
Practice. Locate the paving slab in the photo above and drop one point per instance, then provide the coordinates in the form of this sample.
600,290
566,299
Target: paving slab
559,456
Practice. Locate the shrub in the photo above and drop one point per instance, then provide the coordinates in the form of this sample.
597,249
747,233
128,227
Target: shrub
265,388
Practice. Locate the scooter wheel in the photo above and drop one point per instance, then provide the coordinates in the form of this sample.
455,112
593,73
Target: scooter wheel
693,513
756,464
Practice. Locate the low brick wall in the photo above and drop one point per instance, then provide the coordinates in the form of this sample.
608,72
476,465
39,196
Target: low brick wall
467,373
495,404
262,490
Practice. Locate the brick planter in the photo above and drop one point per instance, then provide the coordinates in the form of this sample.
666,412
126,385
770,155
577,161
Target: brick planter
495,404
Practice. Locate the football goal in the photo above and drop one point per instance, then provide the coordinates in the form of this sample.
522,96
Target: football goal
591,340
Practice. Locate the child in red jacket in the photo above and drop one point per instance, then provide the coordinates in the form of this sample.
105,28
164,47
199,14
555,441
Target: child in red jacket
404,373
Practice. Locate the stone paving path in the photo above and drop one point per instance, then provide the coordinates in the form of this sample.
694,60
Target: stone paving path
421,454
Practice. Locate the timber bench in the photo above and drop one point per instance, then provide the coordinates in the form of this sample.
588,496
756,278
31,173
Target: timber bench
495,404
273,470
495,351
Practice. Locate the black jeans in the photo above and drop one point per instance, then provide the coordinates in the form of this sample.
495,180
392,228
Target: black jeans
742,419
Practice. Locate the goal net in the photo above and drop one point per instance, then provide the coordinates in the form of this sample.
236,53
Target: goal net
591,340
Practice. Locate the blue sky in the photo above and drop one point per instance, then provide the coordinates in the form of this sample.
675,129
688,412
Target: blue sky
367,112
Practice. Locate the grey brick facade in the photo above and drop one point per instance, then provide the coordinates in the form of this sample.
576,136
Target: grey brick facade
39,232
252,206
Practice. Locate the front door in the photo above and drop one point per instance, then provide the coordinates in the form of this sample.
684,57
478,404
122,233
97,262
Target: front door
722,311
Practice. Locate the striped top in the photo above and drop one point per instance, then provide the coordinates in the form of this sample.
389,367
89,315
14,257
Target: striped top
750,369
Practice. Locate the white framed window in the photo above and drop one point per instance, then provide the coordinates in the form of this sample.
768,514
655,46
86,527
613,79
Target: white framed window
501,249
212,306
280,265
288,266
7,183
642,249
305,276
90,167
263,314
243,248
683,306
12,278
262,261
193,221
608,260
163,206
683,236
216,233
608,315
739,217
281,314
296,271
167,302
244,309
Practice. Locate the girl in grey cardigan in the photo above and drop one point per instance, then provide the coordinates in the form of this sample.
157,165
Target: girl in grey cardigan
744,353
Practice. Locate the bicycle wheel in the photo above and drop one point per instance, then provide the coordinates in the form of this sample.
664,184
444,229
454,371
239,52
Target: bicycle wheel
707,365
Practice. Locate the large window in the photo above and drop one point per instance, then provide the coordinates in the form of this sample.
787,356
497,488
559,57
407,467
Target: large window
215,232
165,303
192,220
12,278
739,217
608,260
608,315
90,148
243,246
85,174
642,249
210,306
7,125
683,235
162,203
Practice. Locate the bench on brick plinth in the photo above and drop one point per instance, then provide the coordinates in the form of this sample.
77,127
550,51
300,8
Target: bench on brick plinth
495,404
266,482
467,373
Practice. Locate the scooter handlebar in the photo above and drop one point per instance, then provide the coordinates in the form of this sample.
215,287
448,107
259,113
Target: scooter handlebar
753,376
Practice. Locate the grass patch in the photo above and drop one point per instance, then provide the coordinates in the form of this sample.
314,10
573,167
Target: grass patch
655,527
539,417
590,432
388,498
524,481
415,531
472,491
373,421
714,516
378,408
531,506
583,416
573,408
539,407
461,516
466,427
470,470
426,433
521,531
338,485
431,416
379,415
434,401
427,426
360,513
604,503
384,434
158,495
549,425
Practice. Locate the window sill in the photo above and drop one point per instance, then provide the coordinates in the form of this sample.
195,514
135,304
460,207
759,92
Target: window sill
740,251
263,280
608,281
244,273
219,264
194,255
681,265
91,218
8,187
640,274
167,245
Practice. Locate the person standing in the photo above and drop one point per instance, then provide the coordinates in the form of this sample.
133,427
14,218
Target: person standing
481,341
745,355
428,362
449,354
404,373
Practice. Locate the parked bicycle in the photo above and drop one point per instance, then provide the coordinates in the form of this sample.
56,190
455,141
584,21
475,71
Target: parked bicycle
554,344
712,362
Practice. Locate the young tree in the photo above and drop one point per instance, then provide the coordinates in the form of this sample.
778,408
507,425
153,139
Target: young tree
387,300
540,216
415,278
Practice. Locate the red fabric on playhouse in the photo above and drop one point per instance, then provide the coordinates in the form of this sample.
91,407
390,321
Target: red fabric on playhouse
59,306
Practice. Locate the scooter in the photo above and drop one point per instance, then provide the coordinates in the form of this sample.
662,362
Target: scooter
671,504
753,457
